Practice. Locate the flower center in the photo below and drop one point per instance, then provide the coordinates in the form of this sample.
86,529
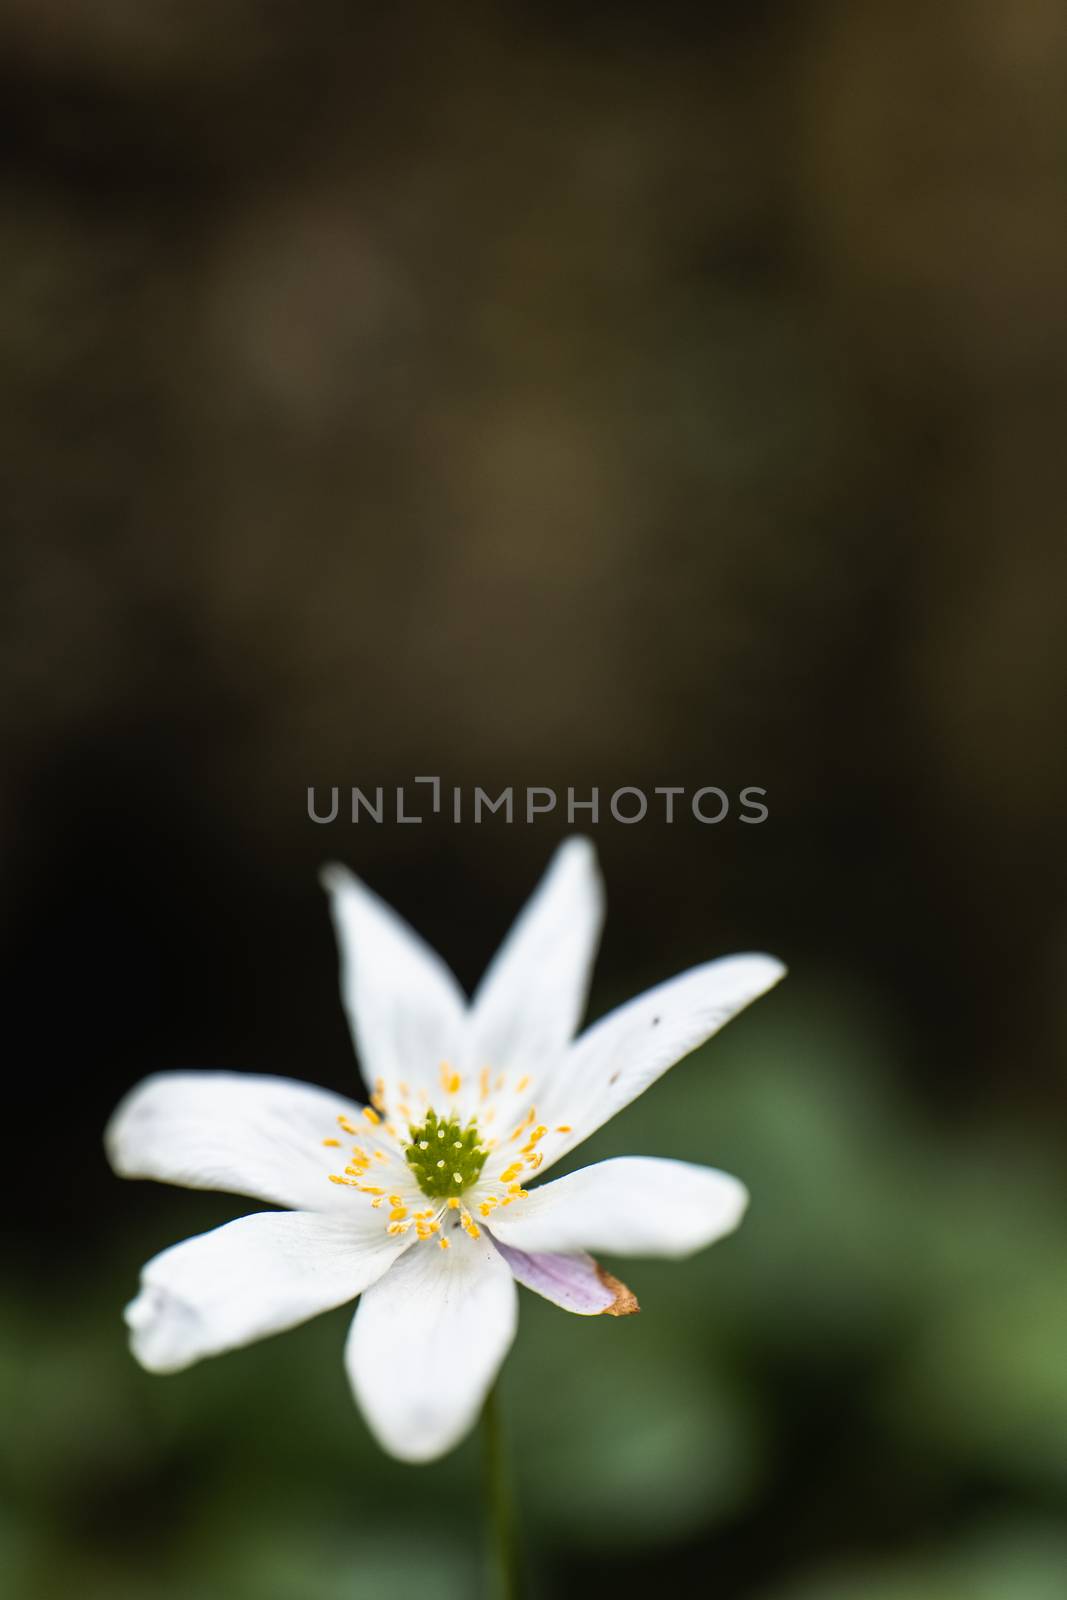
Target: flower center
445,1156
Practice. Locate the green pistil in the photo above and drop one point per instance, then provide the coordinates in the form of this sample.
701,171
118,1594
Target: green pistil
444,1156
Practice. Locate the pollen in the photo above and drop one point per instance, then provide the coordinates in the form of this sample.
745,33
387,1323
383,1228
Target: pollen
332,1144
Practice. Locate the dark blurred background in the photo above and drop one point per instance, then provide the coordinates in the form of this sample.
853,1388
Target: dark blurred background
558,395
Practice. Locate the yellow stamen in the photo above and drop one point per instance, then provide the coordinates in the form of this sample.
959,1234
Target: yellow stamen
531,1116
469,1225
332,1144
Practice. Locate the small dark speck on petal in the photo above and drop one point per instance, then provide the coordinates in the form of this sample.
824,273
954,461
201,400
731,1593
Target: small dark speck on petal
614,1078
655,1022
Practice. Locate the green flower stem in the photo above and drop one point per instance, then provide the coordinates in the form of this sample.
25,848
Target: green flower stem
500,1503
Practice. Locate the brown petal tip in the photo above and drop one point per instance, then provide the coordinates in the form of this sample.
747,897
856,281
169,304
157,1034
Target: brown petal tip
625,1301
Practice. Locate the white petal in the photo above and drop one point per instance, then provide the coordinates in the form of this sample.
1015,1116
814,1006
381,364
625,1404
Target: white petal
406,1011
633,1206
426,1344
531,999
618,1057
251,1278
245,1133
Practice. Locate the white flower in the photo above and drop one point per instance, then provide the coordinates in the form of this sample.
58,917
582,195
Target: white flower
418,1202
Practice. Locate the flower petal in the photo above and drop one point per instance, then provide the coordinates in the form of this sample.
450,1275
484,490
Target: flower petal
574,1282
618,1057
245,1133
406,1011
632,1206
530,1001
249,1279
426,1344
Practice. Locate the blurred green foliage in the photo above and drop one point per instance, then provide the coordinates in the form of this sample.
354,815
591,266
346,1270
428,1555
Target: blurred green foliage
895,1304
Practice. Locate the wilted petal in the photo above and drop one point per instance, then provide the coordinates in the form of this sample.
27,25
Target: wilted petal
249,1279
632,1206
426,1343
244,1133
574,1282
